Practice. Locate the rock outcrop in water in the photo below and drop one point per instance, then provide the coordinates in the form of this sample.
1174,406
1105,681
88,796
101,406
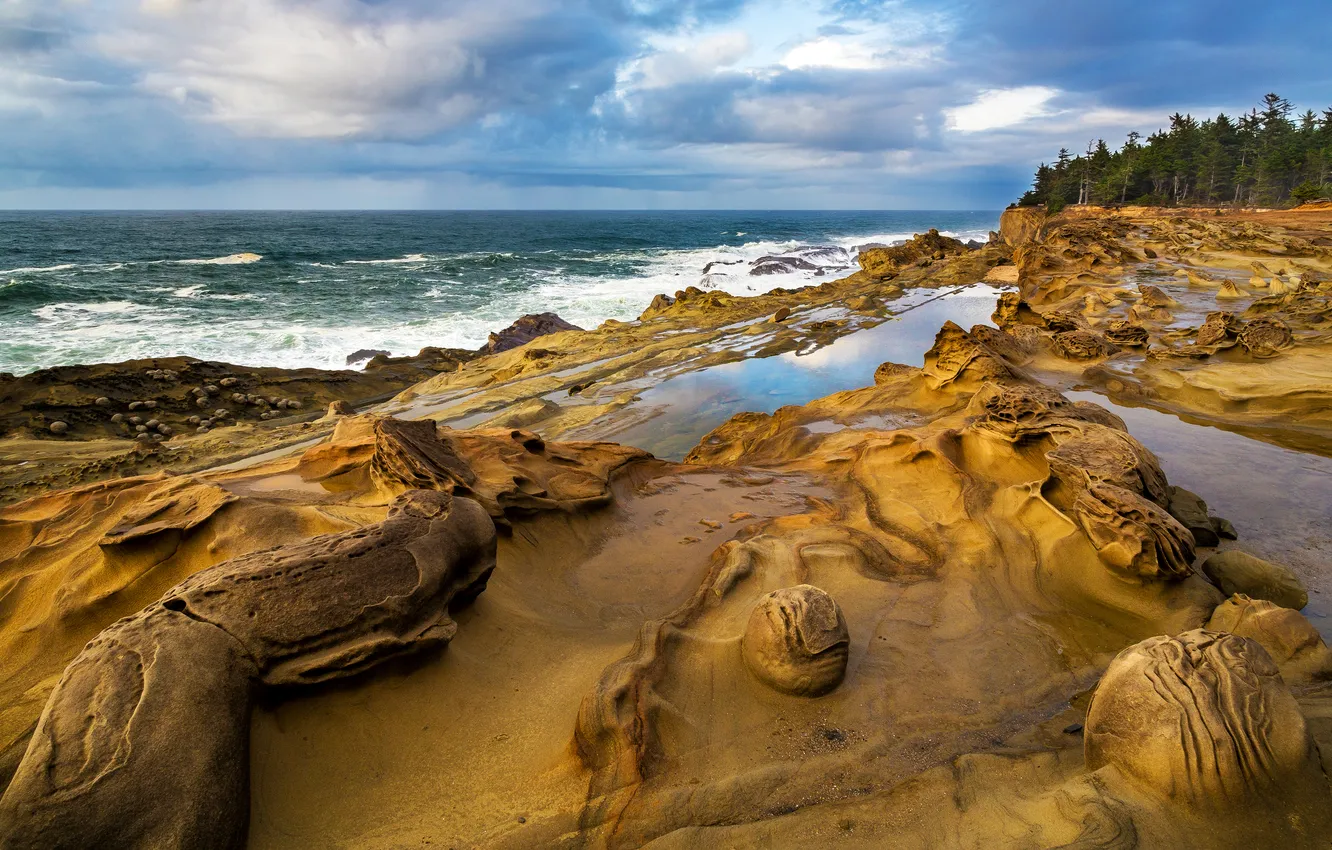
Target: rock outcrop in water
959,607
526,329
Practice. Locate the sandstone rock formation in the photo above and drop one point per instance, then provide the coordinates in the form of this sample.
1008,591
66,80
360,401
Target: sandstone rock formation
144,743
526,329
1202,718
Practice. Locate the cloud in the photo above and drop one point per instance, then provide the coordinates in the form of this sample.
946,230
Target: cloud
694,102
346,69
997,108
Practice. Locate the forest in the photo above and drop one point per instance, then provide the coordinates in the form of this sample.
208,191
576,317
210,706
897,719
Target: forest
1270,156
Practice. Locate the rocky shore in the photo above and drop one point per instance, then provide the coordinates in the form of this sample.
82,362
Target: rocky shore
964,605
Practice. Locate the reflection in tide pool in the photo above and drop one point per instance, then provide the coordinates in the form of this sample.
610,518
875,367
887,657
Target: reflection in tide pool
1278,500
688,406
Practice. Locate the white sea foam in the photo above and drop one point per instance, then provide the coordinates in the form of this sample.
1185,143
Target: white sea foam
176,320
63,267
409,259
229,260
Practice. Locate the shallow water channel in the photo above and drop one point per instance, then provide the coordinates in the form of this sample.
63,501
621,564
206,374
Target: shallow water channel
688,406
1279,500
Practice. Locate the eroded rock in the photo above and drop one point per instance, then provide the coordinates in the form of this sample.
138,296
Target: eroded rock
1202,717
1239,572
144,743
796,641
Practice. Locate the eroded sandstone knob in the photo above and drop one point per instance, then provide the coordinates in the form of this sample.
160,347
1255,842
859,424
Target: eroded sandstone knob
1199,717
797,642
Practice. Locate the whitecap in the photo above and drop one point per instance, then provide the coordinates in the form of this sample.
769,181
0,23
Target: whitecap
188,291
410,258
229,260
65,309
64,267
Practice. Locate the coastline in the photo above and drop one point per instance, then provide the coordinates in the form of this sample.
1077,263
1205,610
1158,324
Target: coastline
978,546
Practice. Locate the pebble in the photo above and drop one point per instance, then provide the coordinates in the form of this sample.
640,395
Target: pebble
220,413
293,404
229,382
211,390
194,420
135,405
134,420
239,398
103,401
59,427
149,405
164,430
141,428
203,401
202,429
144,438
117,418
153,423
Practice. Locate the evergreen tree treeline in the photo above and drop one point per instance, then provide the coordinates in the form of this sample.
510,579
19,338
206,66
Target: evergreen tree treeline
1267,157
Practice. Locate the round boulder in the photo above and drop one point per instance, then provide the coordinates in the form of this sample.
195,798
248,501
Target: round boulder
58,427
796,641
1201,716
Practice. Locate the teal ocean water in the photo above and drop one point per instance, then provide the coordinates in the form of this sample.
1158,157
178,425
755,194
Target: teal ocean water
306,289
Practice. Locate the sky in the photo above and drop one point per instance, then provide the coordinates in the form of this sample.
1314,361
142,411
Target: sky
606,104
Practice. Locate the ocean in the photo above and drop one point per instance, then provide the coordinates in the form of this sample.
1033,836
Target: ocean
298,289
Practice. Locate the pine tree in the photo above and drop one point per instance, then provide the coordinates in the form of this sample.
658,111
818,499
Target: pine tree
1268,155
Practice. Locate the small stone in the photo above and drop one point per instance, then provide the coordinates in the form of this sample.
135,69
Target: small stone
220,413
194,420
293,404
229,382
741,516
135,420
710,524
58,427
103,401
211,390
164,429
144,438
117,418
141,428
157,438
153,423
1224,529
135,405
202,429
1191,511
1073,729
203,401
239,398
782,314
149,405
